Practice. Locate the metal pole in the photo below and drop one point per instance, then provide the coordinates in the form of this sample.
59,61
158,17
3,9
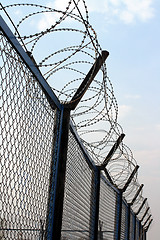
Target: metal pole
134,227
59,195
145,214
129,205
108,176
145,235
141,206
147,220
120,205
119,199
137,193
119,216
129,220
109,156
149,225
130,178
112,151
57,176
95,194
57,180
87,81
140,230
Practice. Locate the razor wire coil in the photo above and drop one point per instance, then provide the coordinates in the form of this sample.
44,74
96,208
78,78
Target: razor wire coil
97,113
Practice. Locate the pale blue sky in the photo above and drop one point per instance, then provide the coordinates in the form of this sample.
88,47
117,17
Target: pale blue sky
133,67
130,31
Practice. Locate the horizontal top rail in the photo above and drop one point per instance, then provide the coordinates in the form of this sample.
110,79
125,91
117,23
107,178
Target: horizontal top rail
52,98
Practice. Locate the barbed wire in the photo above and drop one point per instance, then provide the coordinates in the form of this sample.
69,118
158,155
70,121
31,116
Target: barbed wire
65,46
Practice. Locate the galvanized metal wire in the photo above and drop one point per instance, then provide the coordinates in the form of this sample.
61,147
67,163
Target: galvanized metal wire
107,211
95,118
27,117
27,123
78,207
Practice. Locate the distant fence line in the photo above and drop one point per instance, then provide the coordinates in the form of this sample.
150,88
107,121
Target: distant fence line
50,186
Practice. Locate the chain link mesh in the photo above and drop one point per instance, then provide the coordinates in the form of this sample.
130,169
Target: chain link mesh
131,226
78,193
27,123
27,134
137,229
124,221
107,211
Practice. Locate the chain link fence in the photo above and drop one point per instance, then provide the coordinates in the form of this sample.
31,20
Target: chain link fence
28,162
124,221
27,123
132,226
77,212
107,210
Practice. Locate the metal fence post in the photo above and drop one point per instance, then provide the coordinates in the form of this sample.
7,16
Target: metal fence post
57,182
146,229
134,230
140,230
129,221
119,216
94,215
119,209
129,205
144,235
119,199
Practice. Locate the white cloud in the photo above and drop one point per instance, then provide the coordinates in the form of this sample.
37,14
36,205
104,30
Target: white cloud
94,6
115,2
47,20
50,18
126,16
61,4
126,10
130,96
139,9
124,110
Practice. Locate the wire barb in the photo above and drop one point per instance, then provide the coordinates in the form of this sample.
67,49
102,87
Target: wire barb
64,45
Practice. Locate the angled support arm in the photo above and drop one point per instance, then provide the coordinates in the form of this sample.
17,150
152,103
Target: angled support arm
147,220
112,151
149,225
141,206
109,156
108,176
136,195
145,214
87,81
130,178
